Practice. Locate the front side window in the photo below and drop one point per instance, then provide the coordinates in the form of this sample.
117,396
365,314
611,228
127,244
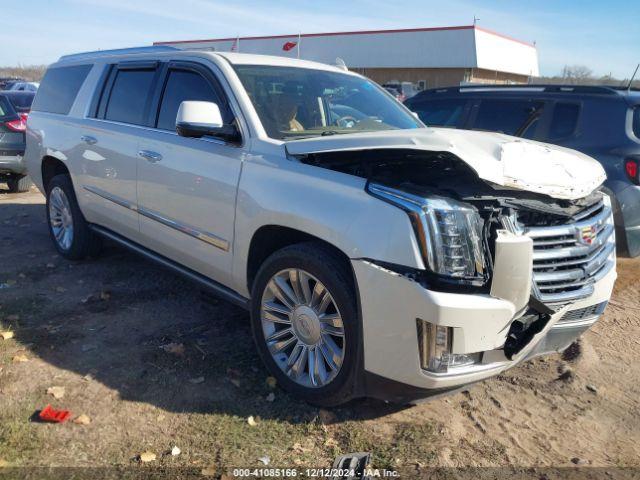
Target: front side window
440,113
129,95
299,102
183,85
512,117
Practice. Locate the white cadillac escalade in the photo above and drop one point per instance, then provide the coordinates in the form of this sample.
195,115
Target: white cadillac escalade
377,256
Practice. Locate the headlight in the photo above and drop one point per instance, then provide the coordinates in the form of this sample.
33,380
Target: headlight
449,232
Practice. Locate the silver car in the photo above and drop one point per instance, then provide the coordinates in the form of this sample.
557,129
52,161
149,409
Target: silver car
377,256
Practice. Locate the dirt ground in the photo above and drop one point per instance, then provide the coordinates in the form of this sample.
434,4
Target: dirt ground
155,364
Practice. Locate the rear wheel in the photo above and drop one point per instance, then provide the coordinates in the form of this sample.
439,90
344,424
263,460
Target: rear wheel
19,183
305,323
69,230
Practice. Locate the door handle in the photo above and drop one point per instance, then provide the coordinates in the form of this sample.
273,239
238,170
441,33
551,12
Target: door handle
149,156
89,140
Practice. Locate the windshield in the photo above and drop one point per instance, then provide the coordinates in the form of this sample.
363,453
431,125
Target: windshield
300,102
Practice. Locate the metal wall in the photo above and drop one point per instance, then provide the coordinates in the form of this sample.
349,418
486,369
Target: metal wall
449,47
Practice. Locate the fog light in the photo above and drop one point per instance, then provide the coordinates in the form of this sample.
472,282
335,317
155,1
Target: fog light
434,344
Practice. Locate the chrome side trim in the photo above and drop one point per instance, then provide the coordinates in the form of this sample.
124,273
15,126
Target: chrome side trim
211,285
206,237
112,198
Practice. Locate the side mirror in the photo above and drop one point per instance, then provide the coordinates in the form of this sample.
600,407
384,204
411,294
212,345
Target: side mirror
196,119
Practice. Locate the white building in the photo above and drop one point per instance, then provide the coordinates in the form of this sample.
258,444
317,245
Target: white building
433,57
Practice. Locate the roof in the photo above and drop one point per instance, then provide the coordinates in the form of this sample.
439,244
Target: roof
467,46
256,59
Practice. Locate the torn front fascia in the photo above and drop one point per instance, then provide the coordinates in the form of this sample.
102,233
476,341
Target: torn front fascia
522,330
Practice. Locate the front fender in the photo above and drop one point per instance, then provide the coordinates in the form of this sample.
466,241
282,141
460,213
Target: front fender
329,205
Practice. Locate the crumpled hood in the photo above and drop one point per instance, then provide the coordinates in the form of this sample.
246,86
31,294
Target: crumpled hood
501,159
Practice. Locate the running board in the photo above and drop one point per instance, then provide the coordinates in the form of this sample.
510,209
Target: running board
210,285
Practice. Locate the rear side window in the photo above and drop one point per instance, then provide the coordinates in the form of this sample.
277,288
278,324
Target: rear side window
59,88
129,94
636,121
564,120
183,85
441,113
22,101
512,117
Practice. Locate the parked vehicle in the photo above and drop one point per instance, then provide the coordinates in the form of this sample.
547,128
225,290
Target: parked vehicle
13,124
396,94
376,256
6,82
406,90
24,87
603,122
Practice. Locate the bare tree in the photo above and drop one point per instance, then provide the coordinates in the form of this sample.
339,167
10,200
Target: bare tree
574,74
32,73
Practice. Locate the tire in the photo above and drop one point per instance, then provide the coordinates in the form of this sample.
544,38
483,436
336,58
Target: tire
19,183
318,266
62,206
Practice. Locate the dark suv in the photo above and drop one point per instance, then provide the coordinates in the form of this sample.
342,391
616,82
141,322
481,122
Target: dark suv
603,122
14,109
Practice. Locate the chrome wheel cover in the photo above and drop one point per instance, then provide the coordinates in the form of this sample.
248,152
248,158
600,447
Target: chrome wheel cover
60,218
303,328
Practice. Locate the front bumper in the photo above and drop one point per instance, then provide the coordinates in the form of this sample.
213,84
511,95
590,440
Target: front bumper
391,303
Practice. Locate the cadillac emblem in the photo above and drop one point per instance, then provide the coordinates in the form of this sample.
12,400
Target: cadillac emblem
587,235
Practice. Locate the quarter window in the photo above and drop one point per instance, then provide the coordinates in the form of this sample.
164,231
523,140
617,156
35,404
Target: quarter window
636,122
509,116
564,121
129,95
59,88
183,85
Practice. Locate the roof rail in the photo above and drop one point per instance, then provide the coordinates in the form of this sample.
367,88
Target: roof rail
560,88
119,51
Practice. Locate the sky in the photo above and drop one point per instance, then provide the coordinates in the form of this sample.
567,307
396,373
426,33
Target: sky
602,35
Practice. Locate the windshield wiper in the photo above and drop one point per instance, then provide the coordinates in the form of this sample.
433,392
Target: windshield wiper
326,133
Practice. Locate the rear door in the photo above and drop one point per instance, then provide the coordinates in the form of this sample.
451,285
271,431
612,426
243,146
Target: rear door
187,186
110,145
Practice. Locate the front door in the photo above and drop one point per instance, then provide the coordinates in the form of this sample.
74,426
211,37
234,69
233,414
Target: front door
187,186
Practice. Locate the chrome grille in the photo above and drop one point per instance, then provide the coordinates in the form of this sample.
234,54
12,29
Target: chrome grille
569,259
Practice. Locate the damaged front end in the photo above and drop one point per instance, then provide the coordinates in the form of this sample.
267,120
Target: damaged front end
535,251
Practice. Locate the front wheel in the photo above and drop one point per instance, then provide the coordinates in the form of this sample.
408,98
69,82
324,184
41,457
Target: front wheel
305,323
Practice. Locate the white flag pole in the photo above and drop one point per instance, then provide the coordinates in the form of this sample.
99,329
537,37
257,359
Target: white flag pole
299,39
